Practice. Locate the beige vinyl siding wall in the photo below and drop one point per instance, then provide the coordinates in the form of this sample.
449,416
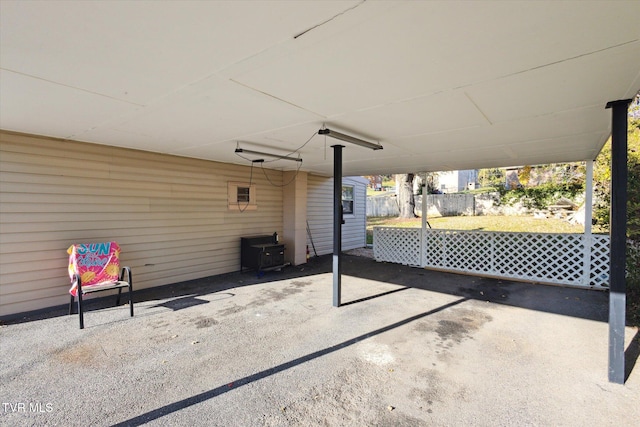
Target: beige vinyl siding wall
320,215
169,214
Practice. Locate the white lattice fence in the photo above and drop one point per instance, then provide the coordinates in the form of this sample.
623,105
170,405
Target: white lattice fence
398,245
537,257
599,273
554,258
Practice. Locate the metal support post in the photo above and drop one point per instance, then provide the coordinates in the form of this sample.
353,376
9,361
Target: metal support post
588,217
337,224
424,220
618,230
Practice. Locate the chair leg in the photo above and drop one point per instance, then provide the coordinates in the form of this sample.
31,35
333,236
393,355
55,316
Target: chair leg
118,298
80,312
71,305
131,299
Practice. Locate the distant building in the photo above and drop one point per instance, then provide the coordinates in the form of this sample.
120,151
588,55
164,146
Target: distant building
511,179
455,181
375,182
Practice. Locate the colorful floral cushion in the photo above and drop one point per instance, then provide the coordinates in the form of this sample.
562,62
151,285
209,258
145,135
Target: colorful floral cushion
94,263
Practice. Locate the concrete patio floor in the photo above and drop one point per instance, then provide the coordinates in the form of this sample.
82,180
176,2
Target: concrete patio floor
409,347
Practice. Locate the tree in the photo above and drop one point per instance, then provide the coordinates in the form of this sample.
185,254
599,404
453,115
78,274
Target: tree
406,201
602,180
493,177
524,175
432,180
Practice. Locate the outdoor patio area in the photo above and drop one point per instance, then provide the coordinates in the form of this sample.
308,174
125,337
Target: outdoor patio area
409,347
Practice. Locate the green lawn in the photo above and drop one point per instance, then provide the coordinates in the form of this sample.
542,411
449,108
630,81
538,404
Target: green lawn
484,223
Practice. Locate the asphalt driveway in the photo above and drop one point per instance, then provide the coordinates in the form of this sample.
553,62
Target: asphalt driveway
409,347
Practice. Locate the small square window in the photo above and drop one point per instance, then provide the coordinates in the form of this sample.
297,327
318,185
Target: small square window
241,196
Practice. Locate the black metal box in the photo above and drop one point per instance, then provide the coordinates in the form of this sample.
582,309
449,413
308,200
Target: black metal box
261,253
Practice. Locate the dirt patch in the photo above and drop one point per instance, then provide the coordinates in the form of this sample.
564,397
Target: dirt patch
352,396
272,295
231,310
454,326
301,283
204,322
487,290
83,355
449,329
77,356
268,296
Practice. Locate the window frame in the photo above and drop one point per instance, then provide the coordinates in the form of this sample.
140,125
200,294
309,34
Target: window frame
352,200
233,195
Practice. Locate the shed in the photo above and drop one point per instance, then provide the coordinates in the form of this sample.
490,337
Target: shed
320,213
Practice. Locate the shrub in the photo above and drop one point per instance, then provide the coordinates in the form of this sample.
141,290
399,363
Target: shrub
541,196
633,283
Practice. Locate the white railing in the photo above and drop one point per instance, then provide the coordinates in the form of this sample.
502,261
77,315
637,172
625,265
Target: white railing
536,257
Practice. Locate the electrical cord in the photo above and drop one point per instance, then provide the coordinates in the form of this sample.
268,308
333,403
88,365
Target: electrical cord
297,149
248,200
281,185
274,160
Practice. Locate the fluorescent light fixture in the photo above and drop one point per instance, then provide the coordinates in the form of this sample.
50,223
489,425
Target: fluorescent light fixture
260,153
348,138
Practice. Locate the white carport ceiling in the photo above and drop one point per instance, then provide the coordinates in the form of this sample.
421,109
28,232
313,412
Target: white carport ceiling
442,85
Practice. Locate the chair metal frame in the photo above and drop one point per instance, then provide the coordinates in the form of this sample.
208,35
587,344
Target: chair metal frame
125,273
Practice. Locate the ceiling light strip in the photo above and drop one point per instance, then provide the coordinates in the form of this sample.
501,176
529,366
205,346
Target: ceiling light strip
350,139
260,153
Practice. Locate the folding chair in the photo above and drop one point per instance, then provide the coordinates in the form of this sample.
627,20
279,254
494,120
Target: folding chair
94,267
